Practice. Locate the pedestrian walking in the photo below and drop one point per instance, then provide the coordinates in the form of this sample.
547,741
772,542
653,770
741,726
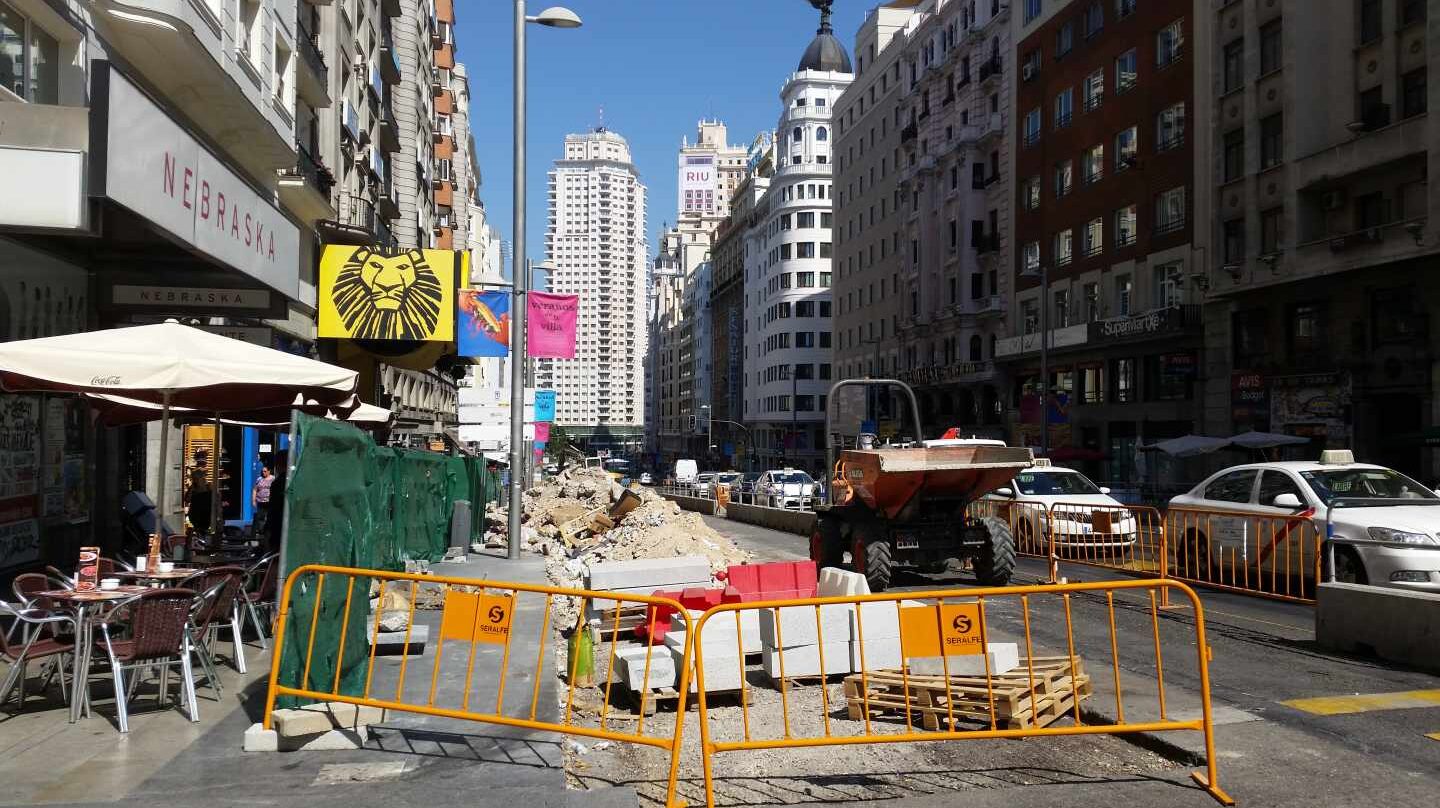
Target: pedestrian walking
260,500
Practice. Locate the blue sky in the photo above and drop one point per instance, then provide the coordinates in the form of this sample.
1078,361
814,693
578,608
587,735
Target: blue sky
655,66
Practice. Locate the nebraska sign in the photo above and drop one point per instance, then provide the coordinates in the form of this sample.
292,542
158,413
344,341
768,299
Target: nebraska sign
158,170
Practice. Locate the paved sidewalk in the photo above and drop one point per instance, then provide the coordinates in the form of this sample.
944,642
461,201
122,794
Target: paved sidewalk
413,761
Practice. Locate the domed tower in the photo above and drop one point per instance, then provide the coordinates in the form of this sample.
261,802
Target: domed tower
825,52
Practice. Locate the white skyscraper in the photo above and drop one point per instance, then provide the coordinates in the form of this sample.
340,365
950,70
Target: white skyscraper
596,240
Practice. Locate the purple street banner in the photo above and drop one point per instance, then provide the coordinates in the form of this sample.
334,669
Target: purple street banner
542,432
484,323
551,330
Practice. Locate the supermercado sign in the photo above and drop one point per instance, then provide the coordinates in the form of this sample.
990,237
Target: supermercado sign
158,170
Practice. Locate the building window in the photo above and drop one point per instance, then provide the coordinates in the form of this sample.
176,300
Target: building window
1094,87
1307,334
1094,235
1412,93
1124,287
1127,71
821,134
1064,107
1371,210
1169,43
1369,20
1272,141
1064,176
1170,211
1032,126
1030,315
1030,67
1092,384
805,280
1125,225
1234,65
825,249
805,249
1092,302
1093,18
1032,10
1127,147
1063,247
1271,38
785,221
1092,164
1234,246
1374,112
251,33
1412,11
1124,374
1270,231
1170,128
1032,256
1031,193
29,59
1064,39
1169,285
1234,157
1060,309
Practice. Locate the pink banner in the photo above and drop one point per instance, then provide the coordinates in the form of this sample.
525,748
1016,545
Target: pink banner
551,329
542,432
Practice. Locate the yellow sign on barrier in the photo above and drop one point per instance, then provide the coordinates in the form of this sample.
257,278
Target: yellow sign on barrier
960,623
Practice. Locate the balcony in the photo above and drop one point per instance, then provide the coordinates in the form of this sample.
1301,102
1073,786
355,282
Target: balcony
312,77
43,150
389,61
389,131
909,133
387,203
990,69
987,243
349,121
305,188
1172,226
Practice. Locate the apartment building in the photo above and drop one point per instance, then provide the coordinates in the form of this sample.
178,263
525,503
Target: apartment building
788,360
596,240
1108,180
707,173
666,430
1321,303
119,134
727,309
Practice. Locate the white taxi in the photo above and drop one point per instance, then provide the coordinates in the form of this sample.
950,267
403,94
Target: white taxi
1385,527
1045,499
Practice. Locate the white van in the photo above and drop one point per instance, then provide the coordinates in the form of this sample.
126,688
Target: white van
685,472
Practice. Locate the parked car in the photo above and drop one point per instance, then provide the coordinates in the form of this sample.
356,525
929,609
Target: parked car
729,479
1393,541
685,472
747,485
646,478
1083,514
785,488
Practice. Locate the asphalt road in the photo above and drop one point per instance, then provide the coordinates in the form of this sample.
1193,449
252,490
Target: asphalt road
1264,655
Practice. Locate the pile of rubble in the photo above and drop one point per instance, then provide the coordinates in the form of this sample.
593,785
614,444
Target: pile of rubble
582,517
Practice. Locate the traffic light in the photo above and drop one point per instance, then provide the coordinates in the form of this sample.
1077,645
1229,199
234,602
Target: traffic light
694,423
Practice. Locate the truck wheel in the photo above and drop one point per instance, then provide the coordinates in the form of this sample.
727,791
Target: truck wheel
995,562
825,547
874,560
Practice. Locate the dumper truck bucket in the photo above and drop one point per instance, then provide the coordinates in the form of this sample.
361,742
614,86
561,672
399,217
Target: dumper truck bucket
887,480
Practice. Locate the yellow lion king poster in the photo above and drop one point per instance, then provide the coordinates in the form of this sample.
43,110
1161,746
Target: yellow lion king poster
374,294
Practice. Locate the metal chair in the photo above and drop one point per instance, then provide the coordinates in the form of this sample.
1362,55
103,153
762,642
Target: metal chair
220,599
159,634
261,582
58,575
38,643
109,566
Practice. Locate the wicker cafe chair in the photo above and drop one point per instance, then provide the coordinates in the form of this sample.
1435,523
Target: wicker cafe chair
219,602
158,623
261,582
38,643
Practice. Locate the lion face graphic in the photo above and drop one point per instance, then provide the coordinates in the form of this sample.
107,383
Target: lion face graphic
388,297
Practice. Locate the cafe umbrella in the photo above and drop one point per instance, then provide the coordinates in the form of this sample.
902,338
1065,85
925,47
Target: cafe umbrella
173,365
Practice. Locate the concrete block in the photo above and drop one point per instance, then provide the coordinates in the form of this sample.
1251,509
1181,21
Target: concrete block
1396,625
804,660
720,630
797,625
259,739
1004,657
392,643
629,662
881,619
657,573
881,653
722,671
597,606
297,723
835,582
336,740
350,716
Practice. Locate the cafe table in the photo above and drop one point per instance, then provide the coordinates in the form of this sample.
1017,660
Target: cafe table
163,578
82,603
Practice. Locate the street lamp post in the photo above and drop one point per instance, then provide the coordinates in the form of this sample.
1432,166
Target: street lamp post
553,17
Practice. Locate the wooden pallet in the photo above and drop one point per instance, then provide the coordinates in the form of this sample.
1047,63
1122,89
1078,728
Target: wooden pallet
929,700
670,696
632,616
810,680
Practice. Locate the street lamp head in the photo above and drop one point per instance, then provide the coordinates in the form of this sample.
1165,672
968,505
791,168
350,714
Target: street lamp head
557,17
